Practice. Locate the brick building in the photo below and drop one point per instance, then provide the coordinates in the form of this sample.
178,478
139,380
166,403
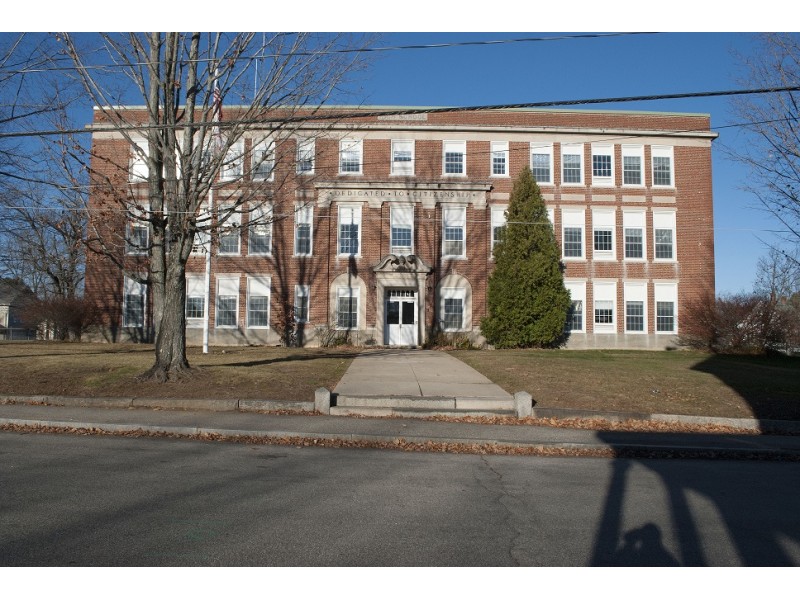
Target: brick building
382,226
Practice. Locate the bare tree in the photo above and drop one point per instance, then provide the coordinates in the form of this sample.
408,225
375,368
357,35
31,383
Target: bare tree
186,144
773,152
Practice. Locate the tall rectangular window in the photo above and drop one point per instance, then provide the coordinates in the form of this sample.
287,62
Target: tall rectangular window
662,166
303,230
305,156
498,224
572,225
259,231
603,164
452,309
258,302
633,226
133,303
632,160
195,300
542,163
666,298
603,231
263,165
664,235
402,157
499,159
349,230
229,230
605,300
233,164
454,157
350,157
454,221
137,238
635,302
347,308
202,240
301,303
402,218
575,317
227,301
572,163
138,169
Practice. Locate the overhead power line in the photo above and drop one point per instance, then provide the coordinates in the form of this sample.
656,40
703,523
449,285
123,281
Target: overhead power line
356,113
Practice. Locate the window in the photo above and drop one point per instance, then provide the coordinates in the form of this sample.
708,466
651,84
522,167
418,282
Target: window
202,240
229,230
347,308
633,226
542,162
575,317
455,158
350,152
603,230
402,230
571,163
635,302
258,302
572,223
452,308
138,169
301,303
137,238
664,235
195,300
662,166
632,160
227,301
454,220
303,229
402,157
259,231
305,156
133,302
499,159
498,224
349,230
263,161
233,164
605,298
603,164
666,297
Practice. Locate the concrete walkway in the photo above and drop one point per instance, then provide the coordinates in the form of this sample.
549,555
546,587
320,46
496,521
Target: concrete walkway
415,373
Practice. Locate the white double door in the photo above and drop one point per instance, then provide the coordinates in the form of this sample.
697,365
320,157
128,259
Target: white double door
401,318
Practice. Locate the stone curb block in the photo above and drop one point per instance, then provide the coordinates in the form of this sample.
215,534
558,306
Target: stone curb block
523,404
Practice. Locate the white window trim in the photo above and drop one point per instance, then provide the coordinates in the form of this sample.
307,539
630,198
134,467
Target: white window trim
634,291
672,226
495,221
573,149
218,296
643,227
603,149
138,169
578,286
450,293
305,145
262,212
357,216
258,146
232,167
664,291
605,255
497,148
572,223
256,280
352,144
411,171
348,292
463,254
129,286
301,290
192,283
233,222
605,327
549,151
391,226
463,145
637,151
298,211
663,151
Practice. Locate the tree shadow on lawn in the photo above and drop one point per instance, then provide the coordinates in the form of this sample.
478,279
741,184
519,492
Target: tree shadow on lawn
287,358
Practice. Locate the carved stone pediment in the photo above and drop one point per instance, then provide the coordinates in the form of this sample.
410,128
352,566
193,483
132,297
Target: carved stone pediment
393,263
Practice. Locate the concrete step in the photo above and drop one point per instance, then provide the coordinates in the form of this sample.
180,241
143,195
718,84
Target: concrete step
418,412
408,405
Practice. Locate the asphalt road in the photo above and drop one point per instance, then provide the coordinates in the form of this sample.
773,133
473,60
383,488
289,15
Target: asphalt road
72,500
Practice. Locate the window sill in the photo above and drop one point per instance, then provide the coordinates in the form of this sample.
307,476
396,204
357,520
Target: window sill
231,327
262,254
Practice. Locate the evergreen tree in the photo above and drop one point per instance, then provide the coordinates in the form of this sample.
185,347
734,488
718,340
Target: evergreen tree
527,301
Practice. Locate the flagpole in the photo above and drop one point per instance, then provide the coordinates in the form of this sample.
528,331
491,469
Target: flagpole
216,117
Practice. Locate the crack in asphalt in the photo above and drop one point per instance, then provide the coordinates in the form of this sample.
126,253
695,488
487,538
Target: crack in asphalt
501,496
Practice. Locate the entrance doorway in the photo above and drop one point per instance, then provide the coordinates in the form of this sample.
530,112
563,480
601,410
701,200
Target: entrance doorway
401,318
